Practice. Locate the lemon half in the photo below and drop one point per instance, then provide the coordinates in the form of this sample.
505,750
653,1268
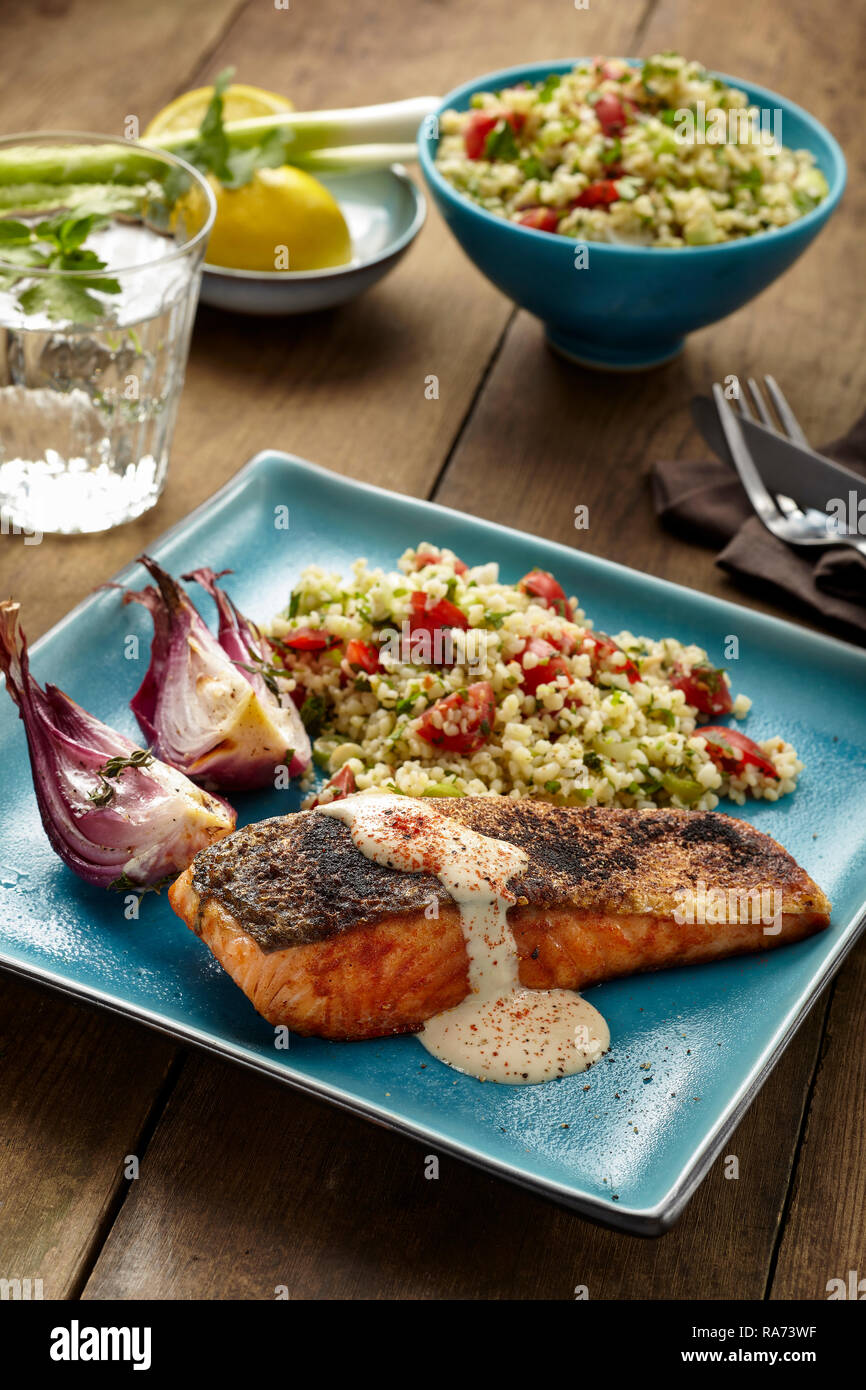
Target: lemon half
283,219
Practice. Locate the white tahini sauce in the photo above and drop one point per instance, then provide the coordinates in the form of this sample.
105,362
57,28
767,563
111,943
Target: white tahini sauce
501,1031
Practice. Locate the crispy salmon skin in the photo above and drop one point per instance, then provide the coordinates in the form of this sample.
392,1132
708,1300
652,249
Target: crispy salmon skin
329,942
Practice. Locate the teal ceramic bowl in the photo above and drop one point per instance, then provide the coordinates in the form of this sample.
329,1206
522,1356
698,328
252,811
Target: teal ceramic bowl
632,306
384,211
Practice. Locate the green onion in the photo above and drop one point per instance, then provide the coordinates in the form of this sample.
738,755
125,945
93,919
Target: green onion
389,123
345,158
364,137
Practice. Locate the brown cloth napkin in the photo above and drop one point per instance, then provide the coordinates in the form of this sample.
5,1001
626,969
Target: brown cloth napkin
706,501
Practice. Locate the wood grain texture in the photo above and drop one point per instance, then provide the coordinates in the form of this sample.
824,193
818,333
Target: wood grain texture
295,1194
76,1090
88,66
246,1185
824,1235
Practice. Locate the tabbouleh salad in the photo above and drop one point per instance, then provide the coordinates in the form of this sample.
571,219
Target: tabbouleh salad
438,680
608,152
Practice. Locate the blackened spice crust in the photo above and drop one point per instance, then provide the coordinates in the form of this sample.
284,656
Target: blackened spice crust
299,879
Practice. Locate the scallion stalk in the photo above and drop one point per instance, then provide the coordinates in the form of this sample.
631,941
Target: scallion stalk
97,164
365,137
394,122
345,158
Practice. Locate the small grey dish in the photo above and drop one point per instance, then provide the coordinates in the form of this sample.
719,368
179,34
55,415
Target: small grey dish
384,211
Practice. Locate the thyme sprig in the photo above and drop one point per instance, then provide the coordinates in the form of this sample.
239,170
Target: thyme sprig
102,795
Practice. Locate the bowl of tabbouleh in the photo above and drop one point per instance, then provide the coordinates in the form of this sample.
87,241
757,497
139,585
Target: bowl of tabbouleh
627,202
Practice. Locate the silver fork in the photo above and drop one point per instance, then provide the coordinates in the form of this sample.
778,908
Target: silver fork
783,517
790,425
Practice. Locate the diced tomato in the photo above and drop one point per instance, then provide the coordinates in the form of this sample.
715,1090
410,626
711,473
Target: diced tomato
541,585
565,642
599,194
433,557
341,784
731,751
472,711
363,655
309,639
442,613
705,688
542,219
601,648
611,114
550,665
481,124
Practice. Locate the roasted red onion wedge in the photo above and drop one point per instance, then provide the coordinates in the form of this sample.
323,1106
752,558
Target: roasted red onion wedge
112,811
213,706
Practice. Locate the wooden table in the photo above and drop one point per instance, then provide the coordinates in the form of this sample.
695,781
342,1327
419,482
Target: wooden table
245,1185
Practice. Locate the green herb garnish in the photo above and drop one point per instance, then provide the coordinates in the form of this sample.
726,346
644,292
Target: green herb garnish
496,620
751,179
313,714
501,144
102,795
549,86
56,244
533,168
212,153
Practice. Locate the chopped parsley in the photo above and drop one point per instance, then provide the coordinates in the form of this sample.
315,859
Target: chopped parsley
314,712
501,144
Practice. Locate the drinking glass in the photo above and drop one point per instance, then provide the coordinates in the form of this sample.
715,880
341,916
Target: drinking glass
92,360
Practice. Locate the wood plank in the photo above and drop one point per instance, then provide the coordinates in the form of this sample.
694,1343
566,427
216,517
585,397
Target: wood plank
247,1187
184,1224
825,1231
76,1092
73,67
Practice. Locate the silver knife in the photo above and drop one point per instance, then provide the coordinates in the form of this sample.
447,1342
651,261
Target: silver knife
809,477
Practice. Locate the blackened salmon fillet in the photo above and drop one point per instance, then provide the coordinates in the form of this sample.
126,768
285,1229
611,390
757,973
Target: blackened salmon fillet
329,942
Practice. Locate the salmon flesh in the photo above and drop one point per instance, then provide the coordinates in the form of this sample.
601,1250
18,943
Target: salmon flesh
328,942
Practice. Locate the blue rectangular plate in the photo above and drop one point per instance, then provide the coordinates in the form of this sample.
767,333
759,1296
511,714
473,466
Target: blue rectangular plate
624,1143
